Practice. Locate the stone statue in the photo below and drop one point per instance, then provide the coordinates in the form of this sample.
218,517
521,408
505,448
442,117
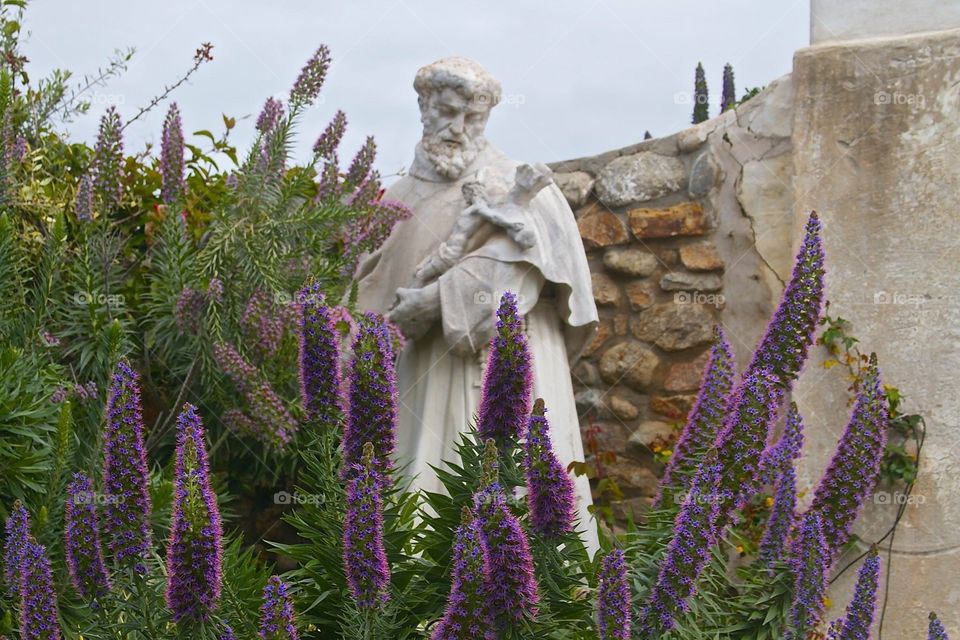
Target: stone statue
482,224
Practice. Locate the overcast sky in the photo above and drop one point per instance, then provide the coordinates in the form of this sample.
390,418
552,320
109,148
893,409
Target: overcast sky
579,77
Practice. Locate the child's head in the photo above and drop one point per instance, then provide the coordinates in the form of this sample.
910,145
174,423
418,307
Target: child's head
472,192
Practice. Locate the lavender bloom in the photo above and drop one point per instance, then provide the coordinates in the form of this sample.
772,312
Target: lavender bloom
329,184
126,521
276,613
688,552
38,600
783,348
364,556
936,630
108,161
859,614
196,549
239,422
82,541
215,289
362,163
705,419
781,519
262,327
507,378
319,358
776,459
17,535
467,616
372,398
810,563
728,99
270,115
550,492
84,206
368,231
326,145
188,314
855,466
227,633
307,86
613,598
173,184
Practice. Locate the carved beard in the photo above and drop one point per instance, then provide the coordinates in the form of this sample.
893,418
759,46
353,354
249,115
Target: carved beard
450,160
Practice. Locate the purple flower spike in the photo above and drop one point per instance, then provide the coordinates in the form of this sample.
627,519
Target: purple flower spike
319,358
936,630
783,348
173,184
364,556
84,206
810,564
858,617
227,633
82,541
262,326
270,115
507,378
781,519
195,551
613,598
550,492
326,145
855,466
705,419
372,396
276,613
126,522
307,86
17,535
780,456
467,616
38,604
362,163
108,161
188,315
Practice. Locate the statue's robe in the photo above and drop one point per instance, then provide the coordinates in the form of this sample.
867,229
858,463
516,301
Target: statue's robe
439,375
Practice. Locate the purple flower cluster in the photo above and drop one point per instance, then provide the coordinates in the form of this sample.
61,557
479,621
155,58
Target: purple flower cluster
108,161
16,538
550,492
781,519
364,556
372,398
362,163
467,616
82,547
783,348
38,600
173,184
776,459
319,358
613,598
81,392
195,550
126,521
326,145
269,116
810,563
307,86
261,325
227,633
705,419
276,613
936,631
274,425
84,207
507,378
369,230
859,614
188,315
855,466
215,290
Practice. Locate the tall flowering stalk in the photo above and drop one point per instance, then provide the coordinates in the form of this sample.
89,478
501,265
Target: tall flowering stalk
550,492
84,206
701,96
172,184
728,99
276,613
38,600
270,115
126,521
508,377
781,519
810,564
82,547
372,398
513,592
858,617
261,325
16,538
855,466
364,556
688,552
936,631
467,616
319,357
362,163
367,231
108,161
705,419
783,348
780,456
326,145
613,598
307,86
195,551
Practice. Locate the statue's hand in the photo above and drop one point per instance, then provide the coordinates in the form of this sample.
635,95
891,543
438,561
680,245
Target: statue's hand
416,310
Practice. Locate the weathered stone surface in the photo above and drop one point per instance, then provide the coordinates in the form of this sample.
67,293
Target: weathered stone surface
640,295
674,327
630,262
685,219
620,323
648,432
603,332
667,256
606,292
633,477
703,175
685,376
601,228
765,192
772,116
674,407
585,373
606,436
701,256
592,402
575,186
691,138
623,408
630,363
638,178
681,281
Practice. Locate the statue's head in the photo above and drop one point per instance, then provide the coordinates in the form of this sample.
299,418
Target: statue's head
455,97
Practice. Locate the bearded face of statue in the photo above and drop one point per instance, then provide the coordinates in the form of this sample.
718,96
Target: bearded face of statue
453,128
